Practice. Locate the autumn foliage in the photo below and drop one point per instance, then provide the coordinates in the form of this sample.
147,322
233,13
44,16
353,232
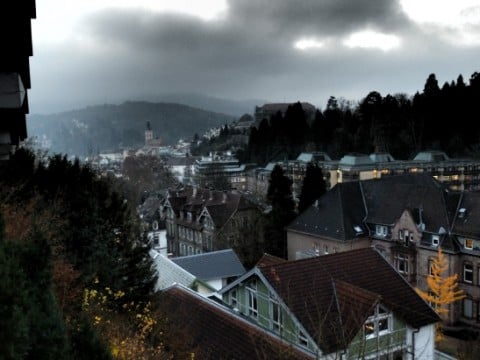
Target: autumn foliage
442,289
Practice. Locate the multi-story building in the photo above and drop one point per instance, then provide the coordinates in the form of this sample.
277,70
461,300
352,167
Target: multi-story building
200,220
406,218
266,111
457,174
16,40
220,169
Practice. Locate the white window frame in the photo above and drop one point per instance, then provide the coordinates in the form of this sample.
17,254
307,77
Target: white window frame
470,242
302,339
467,270
381,230
376,320
233,298
402,259
252,299
276,316
435,240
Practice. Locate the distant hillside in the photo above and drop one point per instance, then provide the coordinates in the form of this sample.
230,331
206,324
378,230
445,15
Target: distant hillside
111,127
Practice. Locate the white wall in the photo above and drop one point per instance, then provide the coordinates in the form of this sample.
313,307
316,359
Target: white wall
424,343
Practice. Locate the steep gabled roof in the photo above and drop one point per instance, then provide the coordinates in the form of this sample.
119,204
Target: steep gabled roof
268,259
467,221
212,265
221,205
334,215
212,331
170,273
388,197
322,291
352,205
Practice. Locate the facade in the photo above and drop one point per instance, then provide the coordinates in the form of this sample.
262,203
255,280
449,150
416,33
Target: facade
406,218
16,35
182,167
220,169
457,174
201,220
335,307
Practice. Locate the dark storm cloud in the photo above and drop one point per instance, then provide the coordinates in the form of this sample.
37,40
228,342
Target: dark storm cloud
248,53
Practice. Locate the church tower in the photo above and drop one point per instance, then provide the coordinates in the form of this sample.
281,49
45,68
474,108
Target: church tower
148,134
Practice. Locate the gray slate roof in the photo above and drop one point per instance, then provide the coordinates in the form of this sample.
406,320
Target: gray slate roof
212,265
334,215
379,201
170,273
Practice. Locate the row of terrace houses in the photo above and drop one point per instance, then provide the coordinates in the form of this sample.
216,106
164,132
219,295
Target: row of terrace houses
406,218
200,220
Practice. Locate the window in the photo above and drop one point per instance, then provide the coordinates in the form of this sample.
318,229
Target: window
233,298
252,299
379,323
302,338
468,308
435,240
430,267
468,273
381,230
325,249
276,316
469,244
433,304
401,263
478,310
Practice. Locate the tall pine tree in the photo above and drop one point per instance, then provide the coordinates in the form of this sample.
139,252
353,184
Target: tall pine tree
313,187
279,196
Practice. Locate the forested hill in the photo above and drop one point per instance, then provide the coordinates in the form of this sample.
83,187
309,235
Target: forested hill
443,117
111,127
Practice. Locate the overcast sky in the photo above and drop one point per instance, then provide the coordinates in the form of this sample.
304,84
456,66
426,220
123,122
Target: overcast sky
105,51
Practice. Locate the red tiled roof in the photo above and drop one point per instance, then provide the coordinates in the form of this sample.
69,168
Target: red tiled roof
323,292
211,331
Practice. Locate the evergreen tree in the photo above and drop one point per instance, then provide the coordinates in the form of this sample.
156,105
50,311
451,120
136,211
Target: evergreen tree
279,196
313,187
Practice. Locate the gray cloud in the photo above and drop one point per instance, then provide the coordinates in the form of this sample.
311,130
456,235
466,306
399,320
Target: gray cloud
247,54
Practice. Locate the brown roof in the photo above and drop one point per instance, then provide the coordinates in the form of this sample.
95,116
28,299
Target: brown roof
221,205
338,291
212,331
267,260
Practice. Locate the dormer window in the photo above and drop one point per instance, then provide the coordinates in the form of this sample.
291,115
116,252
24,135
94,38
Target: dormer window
381,230
468,244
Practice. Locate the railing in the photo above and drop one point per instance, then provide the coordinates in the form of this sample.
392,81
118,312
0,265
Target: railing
443,356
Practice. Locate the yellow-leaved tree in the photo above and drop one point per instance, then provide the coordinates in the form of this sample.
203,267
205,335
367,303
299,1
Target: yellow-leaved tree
442,289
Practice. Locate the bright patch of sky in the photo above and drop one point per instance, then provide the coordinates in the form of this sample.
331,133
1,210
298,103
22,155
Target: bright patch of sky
461,16
308,43
369,39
